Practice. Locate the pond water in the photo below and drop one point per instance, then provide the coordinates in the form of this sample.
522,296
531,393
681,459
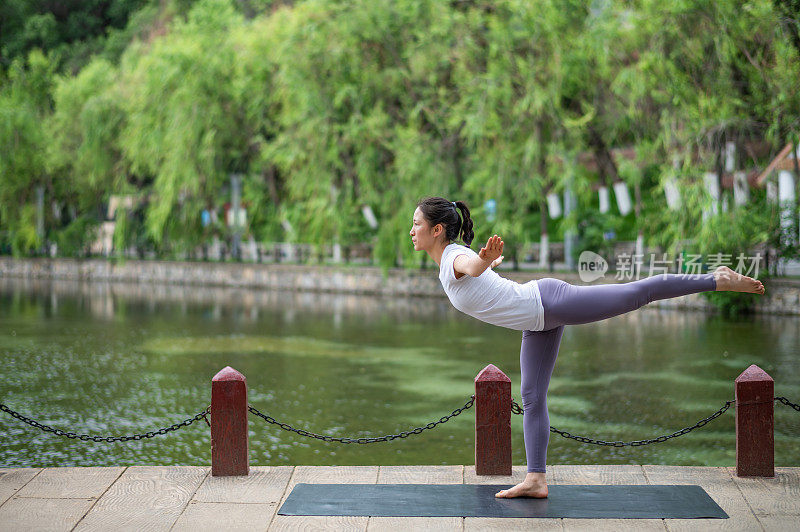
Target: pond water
118,359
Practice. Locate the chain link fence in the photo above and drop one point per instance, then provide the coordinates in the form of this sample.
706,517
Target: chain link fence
515,409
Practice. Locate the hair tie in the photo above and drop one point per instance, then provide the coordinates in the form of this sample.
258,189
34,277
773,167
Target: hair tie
454,205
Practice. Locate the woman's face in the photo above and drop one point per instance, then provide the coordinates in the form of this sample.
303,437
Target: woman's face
423,236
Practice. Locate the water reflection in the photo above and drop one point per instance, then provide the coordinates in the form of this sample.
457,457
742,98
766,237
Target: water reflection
102,299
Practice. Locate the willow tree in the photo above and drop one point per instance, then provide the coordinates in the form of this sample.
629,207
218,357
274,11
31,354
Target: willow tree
327,107
184,129
84,153
601,46
254,93
358,87
510,82
25,104
705,75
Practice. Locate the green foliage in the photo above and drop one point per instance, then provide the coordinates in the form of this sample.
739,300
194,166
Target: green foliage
325,107
598,232
734,234
24,102
730,237
72,240
71,30
182,126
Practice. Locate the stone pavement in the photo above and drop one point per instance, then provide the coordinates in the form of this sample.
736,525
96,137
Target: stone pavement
189,498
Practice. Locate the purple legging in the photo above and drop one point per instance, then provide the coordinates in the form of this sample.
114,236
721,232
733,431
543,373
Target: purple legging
566,304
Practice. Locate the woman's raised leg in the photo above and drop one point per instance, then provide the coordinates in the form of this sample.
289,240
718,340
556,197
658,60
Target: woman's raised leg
567,304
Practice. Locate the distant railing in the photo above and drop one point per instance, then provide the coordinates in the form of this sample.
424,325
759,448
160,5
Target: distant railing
361,253
528,255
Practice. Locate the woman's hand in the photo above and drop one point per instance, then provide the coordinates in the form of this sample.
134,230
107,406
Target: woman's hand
492,250
496,262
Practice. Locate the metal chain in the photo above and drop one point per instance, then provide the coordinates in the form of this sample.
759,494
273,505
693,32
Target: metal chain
636,443
788,403
86,437
515,409
387,437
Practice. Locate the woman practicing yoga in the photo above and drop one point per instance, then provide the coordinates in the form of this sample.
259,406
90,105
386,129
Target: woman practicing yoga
539,308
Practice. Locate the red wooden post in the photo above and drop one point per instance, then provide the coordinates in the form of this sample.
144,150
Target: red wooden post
755,444
492,422
229,443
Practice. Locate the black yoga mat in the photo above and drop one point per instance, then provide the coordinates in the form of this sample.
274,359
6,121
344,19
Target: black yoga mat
478,500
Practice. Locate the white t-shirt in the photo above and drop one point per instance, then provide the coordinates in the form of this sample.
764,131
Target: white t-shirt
490,297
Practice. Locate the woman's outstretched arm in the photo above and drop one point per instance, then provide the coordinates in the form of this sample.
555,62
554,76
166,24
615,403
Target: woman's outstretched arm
489,256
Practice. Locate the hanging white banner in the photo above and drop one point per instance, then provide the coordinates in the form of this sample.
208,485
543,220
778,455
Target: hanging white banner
730,156
604,203
623,197
772,192
366,210
712,187
786,197
786,187
741,190
553,205
672,193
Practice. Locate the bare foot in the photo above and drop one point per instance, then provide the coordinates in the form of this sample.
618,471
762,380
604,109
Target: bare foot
729,280
534,485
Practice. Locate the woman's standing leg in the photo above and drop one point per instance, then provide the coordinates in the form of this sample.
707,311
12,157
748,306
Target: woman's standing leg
537,358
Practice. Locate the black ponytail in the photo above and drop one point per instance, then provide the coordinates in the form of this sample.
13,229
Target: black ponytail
442,211
466,225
